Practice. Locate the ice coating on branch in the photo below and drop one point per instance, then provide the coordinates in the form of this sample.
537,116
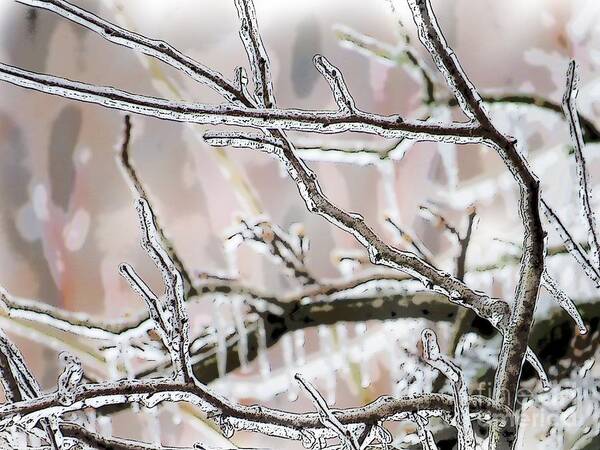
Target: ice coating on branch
432,355
336,82
257,141
269,239
532,359
20,384
257,55
326,416
152,47
585,189
433,40
425,435
169,311
573,247
563,300
288,119
69,379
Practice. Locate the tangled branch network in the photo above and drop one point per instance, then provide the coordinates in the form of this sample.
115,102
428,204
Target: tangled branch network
181,364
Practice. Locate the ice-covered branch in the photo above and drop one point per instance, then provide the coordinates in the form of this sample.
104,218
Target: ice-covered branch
169,312
139,190
516,334
261,419
326,416
585,189
286,119
20,385
572,246
432,355
314,121
280,245
563,300
257,55
336,82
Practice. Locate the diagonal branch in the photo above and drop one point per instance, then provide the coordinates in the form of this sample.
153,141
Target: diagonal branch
585,189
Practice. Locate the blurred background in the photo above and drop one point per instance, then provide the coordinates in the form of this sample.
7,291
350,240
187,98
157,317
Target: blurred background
67,217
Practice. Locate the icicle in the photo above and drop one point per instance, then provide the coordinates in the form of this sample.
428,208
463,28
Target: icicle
299,351
263,358
242,332
288,361
329,374
563,300
153,430
111,355
221,335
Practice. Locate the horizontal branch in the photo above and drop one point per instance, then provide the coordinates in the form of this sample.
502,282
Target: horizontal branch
285,119
266,420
